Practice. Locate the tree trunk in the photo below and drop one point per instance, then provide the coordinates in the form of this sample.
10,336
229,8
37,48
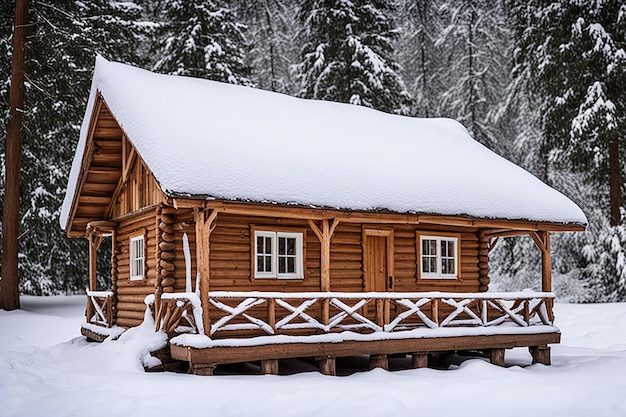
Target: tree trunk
615,180
9,292
615,170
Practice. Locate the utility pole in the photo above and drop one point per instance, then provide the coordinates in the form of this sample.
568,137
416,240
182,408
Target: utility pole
9,291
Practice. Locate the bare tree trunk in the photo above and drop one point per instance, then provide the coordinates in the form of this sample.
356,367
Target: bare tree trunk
615,180
9,292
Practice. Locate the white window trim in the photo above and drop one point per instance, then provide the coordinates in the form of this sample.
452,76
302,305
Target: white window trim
274,274
438,274
137,275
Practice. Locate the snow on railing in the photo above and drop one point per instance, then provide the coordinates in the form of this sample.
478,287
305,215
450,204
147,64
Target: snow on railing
100,308
325,312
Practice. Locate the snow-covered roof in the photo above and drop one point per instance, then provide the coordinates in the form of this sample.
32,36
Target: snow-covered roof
212,140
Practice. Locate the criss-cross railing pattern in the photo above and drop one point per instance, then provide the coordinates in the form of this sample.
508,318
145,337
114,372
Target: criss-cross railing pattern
316,313
100,308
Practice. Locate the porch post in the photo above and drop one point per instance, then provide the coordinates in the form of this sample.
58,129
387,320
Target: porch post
92,261
204,227
92,272
546,263
324,235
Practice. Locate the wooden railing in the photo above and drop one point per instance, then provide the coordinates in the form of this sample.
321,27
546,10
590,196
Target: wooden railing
314,313
100,308
179,313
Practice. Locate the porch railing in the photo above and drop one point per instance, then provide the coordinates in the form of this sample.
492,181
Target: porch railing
100,308
269,313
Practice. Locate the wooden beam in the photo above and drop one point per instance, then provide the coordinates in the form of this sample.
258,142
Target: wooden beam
546,263
295,212
92,261
230,354
204,227
87,154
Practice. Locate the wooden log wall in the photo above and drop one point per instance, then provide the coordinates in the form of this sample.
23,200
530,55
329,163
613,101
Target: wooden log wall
115,252
230,256
167,250
131,294
483,261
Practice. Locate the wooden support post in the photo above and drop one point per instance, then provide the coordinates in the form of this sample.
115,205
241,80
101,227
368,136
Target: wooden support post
324,234
269,367
325,311
379,361
204,369
543,242
92,275
434,310
271,313
327,366
419,360
204,227
497,356
540,354
546,263
92,262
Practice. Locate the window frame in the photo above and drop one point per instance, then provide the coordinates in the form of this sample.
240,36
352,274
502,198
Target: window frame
438,237
134,238
275,234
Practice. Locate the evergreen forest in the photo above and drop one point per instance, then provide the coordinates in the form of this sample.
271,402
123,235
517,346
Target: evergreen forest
541,83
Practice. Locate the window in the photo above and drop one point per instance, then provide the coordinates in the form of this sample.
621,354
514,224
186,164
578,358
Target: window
137,258
278,255
438,257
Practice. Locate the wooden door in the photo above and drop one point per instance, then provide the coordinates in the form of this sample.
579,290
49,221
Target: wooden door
376,267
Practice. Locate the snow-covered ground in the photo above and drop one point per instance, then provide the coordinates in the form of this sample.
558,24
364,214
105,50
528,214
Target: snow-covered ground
47,369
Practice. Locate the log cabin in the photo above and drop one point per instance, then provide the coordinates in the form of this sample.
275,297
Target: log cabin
257,227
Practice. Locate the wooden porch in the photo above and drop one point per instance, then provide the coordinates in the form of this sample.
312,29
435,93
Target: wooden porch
266,327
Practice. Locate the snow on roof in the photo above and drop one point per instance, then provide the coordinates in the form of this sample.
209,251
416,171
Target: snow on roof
221,141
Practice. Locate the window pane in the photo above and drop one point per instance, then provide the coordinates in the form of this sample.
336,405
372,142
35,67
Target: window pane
291,265
281,245
425,247
449,266
259,244
433,264
268,245
291,246
260,265
268,264
281,265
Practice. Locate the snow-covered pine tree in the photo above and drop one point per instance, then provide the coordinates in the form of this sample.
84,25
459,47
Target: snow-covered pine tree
272,27
418,55
475,64
201,39
348,55
60,56
576,53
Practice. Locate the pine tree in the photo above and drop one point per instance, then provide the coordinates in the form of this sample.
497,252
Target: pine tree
348,55
418,55
272,27
476,67
201,39
61,51
575,53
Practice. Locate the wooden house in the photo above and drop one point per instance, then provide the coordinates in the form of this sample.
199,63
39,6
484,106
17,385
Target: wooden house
258,226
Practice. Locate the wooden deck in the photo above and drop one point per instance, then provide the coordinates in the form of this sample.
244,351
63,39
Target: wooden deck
255,326
203,361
